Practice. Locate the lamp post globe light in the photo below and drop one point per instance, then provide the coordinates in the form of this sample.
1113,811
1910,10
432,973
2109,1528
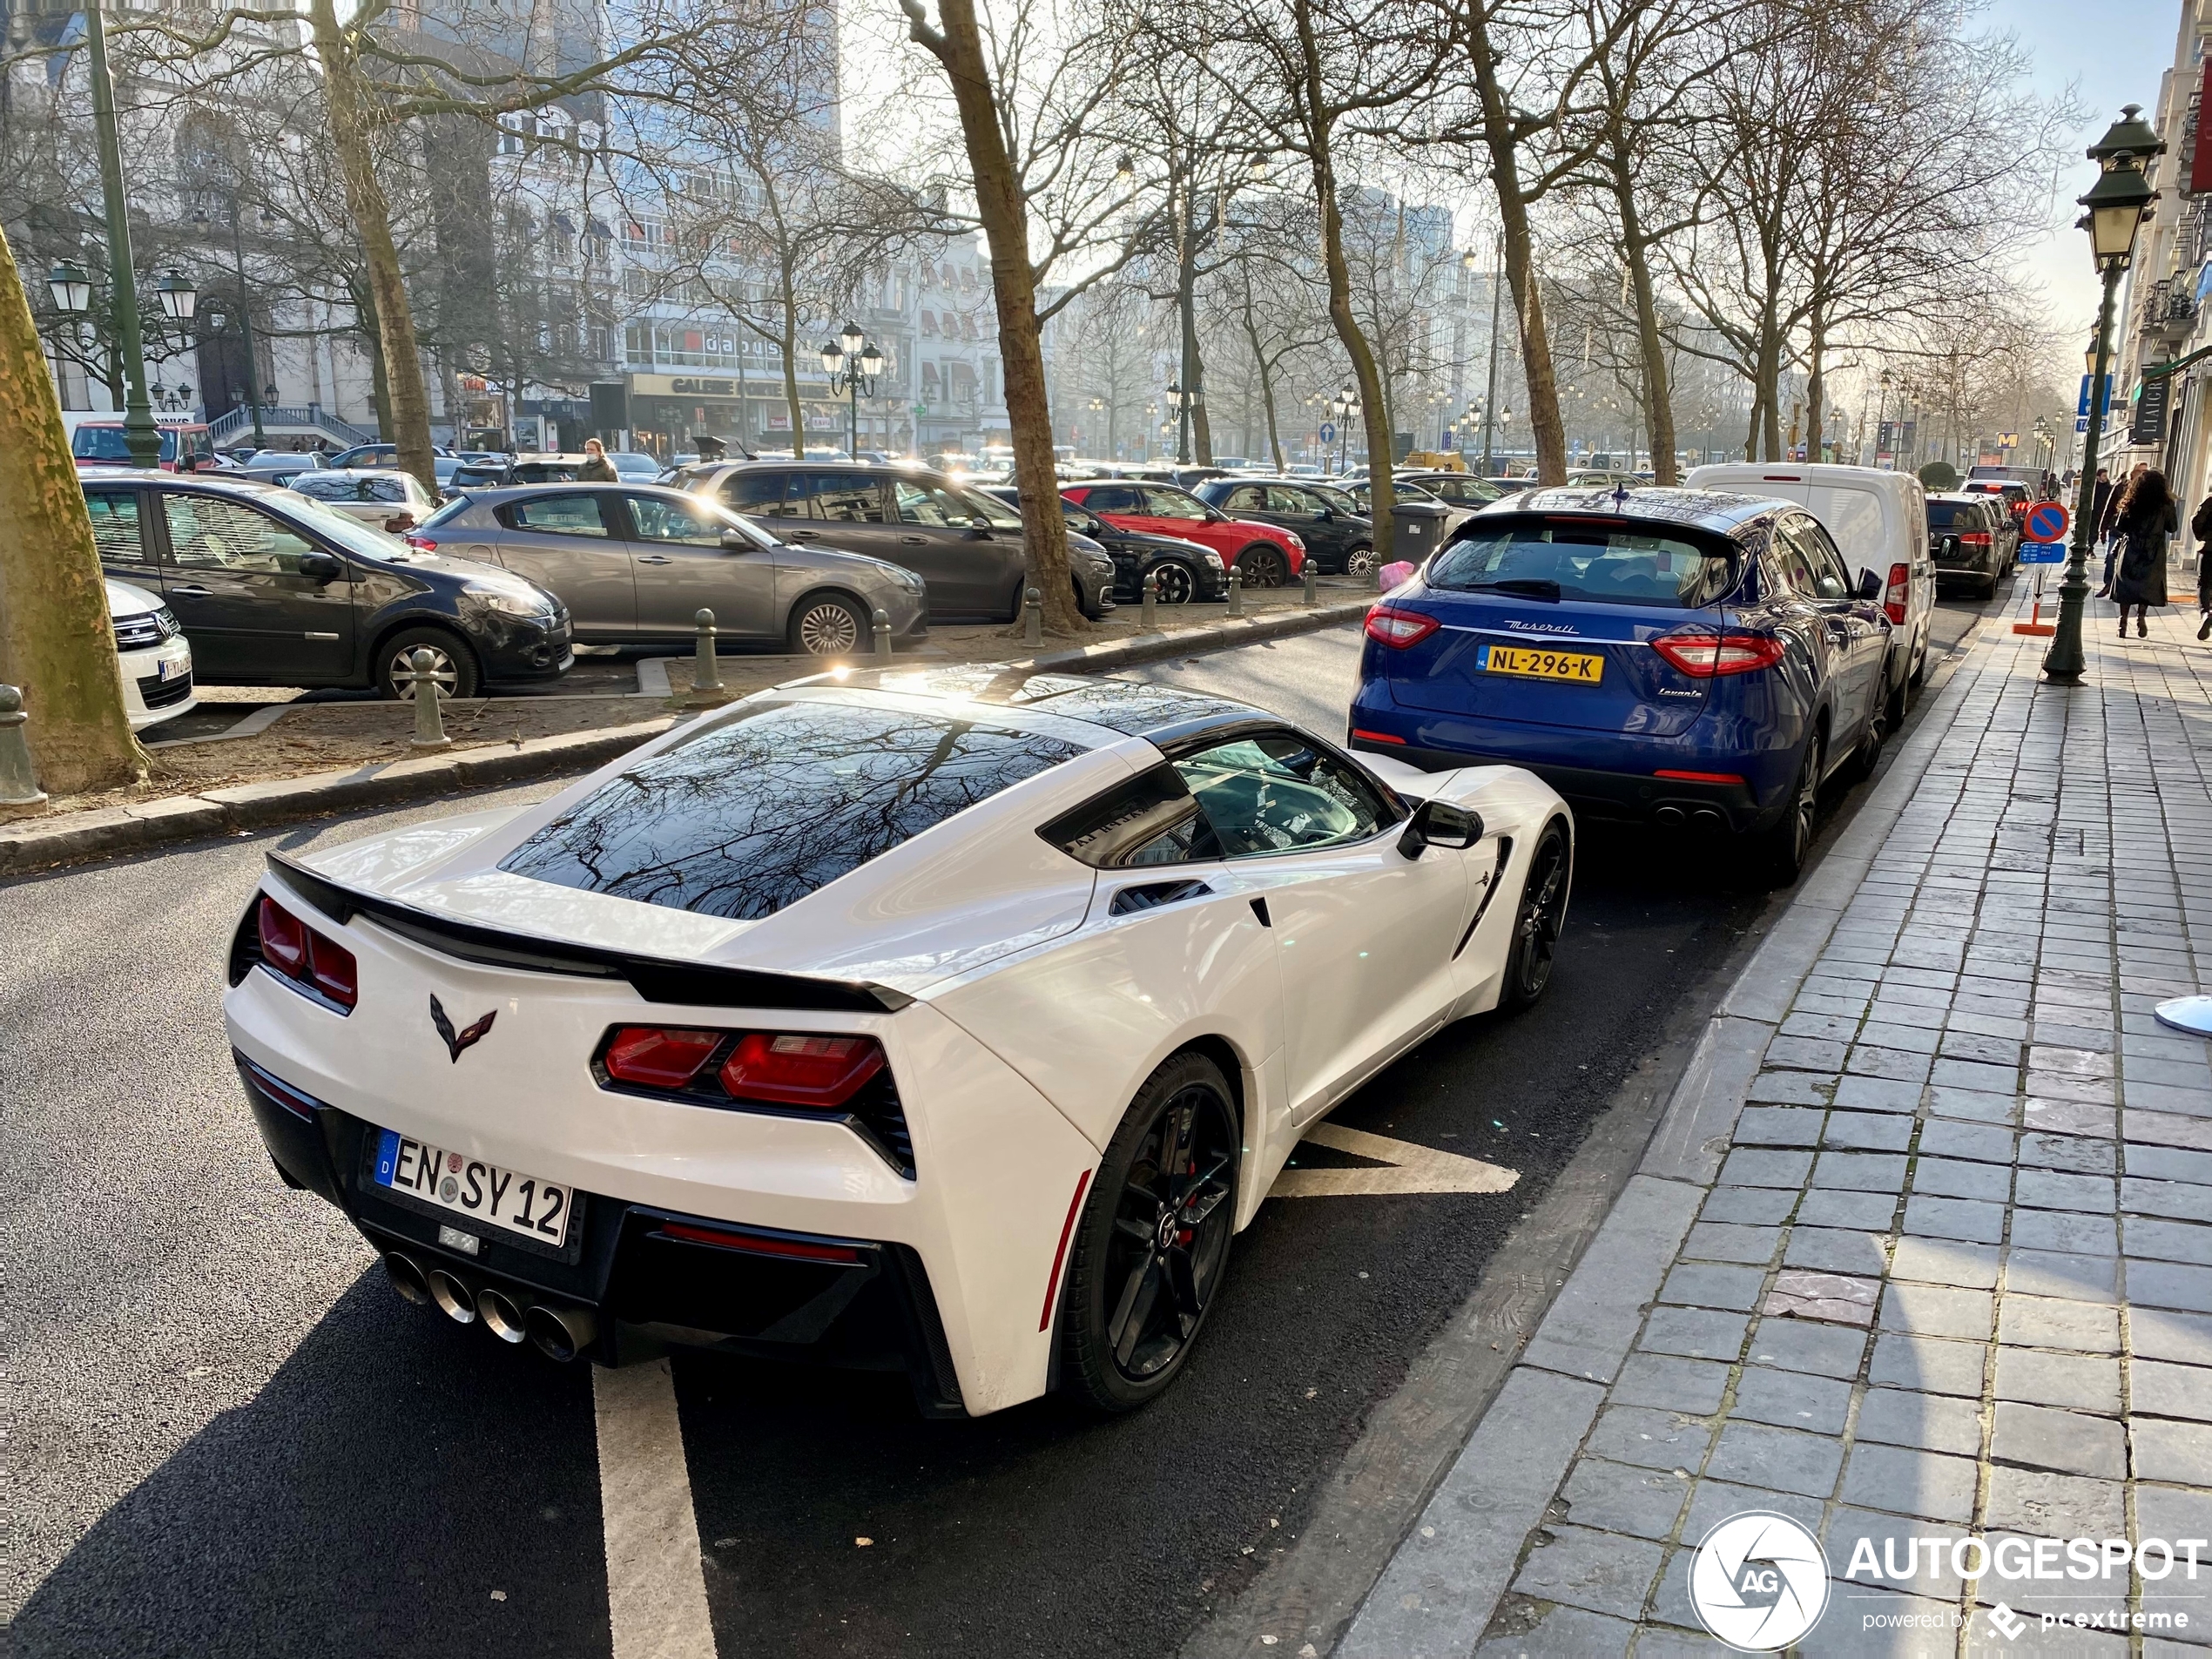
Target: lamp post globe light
141,438
2117,204
853,366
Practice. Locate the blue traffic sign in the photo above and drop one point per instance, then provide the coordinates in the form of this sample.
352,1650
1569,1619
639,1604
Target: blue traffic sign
2042,552
2104,402
2046,522
1328,432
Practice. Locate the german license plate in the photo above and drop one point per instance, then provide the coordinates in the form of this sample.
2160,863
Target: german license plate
1583,668
466,1186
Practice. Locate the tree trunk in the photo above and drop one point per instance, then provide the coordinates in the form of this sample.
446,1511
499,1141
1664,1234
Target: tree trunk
789,346
56,644
1659,397
959,49
379,385
1814,384
1320,154
350,124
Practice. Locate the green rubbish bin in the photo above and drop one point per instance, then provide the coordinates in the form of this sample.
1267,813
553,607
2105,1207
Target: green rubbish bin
1416,528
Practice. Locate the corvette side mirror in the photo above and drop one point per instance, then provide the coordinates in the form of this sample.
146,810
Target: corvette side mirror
1437,823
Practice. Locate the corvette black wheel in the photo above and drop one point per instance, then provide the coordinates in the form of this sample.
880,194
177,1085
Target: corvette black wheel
1537,927
1154,1239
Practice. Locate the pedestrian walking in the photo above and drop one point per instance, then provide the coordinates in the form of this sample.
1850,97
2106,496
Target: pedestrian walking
2144,521
2201,527
2108,504
597,468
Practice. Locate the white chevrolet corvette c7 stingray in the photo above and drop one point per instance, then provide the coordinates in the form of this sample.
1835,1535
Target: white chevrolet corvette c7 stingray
946,1022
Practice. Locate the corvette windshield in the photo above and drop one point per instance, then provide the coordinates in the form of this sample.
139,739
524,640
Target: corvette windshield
754,815
1610,564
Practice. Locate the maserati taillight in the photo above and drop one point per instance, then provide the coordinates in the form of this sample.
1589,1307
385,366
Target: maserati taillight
1388,626
1898,597
1703,656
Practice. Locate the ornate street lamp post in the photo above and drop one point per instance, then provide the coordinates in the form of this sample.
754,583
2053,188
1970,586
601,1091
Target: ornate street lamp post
856,381
2117,204
140,436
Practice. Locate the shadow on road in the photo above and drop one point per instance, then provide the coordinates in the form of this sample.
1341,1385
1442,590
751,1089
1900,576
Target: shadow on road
394,1474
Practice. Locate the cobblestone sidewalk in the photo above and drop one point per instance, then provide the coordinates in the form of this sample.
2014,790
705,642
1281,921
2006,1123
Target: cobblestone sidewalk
1923,1252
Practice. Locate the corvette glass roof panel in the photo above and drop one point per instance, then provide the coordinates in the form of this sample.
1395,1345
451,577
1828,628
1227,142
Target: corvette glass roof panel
755,813
1127,707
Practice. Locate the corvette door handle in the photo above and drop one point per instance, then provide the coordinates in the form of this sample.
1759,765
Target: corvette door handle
653,558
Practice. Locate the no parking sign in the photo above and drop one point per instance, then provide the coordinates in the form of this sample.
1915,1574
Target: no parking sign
2047,522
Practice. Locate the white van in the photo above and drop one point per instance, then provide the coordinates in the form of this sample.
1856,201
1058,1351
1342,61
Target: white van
1879,521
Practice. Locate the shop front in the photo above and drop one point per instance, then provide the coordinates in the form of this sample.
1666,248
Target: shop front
667,412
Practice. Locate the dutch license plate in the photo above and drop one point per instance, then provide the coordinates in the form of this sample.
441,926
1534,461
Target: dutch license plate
1583,668
466,1186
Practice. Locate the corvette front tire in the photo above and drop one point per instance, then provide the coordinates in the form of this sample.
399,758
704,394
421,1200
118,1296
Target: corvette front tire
1153,1245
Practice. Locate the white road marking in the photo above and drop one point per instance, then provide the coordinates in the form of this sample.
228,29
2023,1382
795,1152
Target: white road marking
655,1587
1406,1168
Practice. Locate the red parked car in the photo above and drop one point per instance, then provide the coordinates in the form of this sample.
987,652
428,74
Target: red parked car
1268,555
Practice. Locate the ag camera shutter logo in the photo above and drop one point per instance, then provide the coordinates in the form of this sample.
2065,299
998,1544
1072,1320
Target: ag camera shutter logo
1759,1581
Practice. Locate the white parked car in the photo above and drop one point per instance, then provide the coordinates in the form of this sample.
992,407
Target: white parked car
156,658
1879,523
384,498
949,1020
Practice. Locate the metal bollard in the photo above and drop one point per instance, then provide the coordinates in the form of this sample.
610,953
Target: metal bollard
1151,598
1031,616
1312,582
18,783
882,637
706,674
429,715
1236,592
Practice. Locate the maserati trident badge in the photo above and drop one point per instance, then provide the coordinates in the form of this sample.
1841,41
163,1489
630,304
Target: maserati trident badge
466,1037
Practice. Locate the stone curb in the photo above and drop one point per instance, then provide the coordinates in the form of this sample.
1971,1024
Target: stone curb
31,843
1443,1583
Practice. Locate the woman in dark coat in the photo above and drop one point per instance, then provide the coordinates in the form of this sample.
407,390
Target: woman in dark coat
2145,519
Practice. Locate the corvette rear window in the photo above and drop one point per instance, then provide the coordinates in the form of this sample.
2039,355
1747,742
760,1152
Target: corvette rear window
753,815
1571,559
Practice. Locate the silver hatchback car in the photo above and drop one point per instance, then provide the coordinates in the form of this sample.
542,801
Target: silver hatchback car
635,563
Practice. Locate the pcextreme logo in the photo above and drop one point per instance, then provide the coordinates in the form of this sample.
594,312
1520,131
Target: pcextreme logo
1759,1581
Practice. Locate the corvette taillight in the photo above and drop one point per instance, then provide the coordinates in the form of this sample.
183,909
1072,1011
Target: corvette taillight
657,1057
1896,601
801,1068
1703,656
1388,626
311,960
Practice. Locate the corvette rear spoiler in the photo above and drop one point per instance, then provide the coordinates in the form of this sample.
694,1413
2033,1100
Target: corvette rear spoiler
653,978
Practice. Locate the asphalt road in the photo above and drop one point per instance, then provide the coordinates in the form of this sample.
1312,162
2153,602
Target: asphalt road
226,1435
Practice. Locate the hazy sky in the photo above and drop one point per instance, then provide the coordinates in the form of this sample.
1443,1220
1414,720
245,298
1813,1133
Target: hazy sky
2113,52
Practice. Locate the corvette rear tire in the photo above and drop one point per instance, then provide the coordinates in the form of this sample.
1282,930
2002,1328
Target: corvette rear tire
1153,1242
1536,924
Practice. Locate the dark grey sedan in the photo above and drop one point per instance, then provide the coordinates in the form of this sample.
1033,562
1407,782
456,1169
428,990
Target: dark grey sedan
636,563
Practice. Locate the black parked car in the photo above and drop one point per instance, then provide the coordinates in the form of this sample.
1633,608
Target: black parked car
273,589
1973,537
967,545
1187,571
1337,541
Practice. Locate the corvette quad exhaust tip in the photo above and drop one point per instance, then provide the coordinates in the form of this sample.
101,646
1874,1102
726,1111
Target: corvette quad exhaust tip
560,1334
407,1277
501,1317
452,1297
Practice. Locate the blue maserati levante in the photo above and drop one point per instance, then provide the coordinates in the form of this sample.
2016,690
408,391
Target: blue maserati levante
1670,657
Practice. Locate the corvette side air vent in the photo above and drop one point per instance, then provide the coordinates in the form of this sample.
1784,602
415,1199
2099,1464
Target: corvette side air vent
1153,894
